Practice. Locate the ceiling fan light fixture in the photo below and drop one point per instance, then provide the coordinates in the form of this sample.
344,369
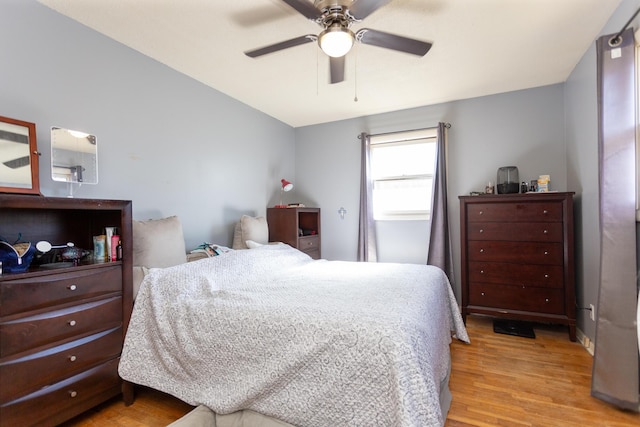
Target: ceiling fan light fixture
78,134
336,41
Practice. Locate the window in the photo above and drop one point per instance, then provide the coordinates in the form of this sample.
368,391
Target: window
402,168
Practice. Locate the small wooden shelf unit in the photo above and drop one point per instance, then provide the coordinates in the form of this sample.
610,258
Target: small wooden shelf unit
297,227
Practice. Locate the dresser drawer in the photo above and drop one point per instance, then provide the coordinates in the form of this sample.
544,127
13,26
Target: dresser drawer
51,405
309,244
515,212
314,253
34,331
544,276
31,372
44,291
516,231
516,298
516,252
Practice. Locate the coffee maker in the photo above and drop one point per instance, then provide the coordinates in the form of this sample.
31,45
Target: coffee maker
508,181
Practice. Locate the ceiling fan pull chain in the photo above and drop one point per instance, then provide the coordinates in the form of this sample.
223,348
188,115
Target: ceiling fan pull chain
355,74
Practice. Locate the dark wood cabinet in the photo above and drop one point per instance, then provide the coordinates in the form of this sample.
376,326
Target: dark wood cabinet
62,329
297,227
518,257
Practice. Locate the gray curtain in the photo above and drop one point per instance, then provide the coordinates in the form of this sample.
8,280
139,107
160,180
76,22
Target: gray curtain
615,376
440,252
367,229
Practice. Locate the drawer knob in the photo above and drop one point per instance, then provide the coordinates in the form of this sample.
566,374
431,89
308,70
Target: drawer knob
481,230
523,287
73,393
72,358
546,232
482,293
72,287
545,212
72,323
481,250
480,213
546,276
546,300
481,271
546,252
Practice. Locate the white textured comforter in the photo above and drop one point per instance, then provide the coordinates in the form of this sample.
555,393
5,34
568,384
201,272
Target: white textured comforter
313,343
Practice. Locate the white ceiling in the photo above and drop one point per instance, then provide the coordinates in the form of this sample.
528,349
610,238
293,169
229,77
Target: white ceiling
480,47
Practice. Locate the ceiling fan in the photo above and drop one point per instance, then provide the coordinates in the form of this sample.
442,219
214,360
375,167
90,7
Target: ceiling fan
336,39
11,139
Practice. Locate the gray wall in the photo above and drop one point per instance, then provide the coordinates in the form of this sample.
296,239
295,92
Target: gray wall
582,166
522,128
165,141
175,146
551,130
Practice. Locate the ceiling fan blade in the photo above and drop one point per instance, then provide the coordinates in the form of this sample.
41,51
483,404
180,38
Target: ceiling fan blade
363,8
392,41
336,69
17,163
260,15
282,45
13,137
305,8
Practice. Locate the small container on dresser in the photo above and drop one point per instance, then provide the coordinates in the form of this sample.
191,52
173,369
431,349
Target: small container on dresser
297,227
62,329
517,257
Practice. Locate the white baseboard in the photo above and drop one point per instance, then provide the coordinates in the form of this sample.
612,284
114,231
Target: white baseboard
586,342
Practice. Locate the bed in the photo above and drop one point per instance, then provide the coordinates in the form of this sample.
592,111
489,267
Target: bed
310,343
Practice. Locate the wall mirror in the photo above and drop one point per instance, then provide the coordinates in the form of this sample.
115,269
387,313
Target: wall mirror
18,157
74,156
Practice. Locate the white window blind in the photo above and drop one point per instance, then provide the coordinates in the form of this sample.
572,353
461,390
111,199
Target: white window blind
402,168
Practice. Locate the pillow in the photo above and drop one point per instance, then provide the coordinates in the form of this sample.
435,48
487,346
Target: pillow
158,243
250,228
138,276
252,245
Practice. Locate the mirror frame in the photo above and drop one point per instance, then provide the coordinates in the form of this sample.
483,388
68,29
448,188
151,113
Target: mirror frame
33,159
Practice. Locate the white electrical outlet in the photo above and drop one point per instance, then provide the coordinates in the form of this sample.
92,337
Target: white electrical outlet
592,313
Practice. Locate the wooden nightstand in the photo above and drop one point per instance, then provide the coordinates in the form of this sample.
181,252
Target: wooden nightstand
297,227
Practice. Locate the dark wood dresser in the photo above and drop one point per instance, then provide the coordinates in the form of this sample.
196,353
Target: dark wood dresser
297,227
62,329
518,257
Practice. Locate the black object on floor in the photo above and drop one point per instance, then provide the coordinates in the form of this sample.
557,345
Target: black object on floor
513,327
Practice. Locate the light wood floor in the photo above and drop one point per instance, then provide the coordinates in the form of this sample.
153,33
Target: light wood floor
497,380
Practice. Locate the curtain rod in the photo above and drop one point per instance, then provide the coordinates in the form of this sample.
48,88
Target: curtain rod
616,39
447,125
